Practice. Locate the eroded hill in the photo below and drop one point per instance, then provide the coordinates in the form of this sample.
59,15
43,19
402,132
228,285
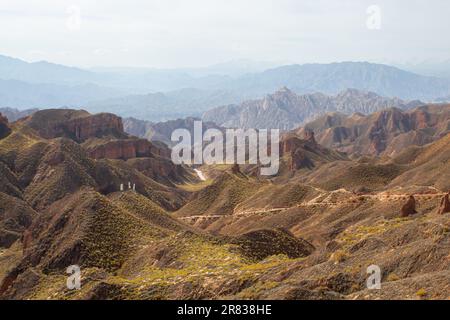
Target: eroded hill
76,190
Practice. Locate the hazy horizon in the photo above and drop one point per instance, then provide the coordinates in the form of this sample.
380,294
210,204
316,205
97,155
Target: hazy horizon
200,33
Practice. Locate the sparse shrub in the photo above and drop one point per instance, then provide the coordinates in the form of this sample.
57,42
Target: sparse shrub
339,256
421,293
393,277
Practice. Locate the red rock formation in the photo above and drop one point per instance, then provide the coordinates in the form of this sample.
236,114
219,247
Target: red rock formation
296,149
94,126
445,204
420,119
299,160
75,124
161,149
387,131
377,144
409,208
4,128
159,169
122,149
309,136
290,144
301,152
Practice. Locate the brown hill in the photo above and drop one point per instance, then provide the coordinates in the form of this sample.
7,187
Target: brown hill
310,233
77,125
221,196
89,230
428,165
15,217
385,132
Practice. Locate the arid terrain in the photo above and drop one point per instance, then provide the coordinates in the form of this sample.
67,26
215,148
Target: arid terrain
352,191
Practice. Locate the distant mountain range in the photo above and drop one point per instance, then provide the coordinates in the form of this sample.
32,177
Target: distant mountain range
162,131
165,106
25,95
333,78
156,95
14,114
434,68
286,110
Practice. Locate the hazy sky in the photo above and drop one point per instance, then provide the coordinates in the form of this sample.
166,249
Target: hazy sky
182,33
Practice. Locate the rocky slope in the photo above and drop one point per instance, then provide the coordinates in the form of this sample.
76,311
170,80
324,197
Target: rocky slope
309,233
350,212
77,125
385,132
286,110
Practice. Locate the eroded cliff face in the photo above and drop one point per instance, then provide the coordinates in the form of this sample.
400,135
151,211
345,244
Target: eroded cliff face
95,125
121,149
76,125
4,127
296,150
305,152
384,132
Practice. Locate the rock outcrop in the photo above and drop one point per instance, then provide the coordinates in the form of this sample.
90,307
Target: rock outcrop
409,208
385,132
309,136
303,153
295,149
77,125
445,204
120,149
4,128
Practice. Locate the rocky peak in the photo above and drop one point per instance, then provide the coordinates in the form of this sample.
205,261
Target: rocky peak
286,110
309,136
283,94
284,90
295,148
351,92
302,153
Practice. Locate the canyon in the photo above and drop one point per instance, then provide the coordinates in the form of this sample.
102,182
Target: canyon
226,231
